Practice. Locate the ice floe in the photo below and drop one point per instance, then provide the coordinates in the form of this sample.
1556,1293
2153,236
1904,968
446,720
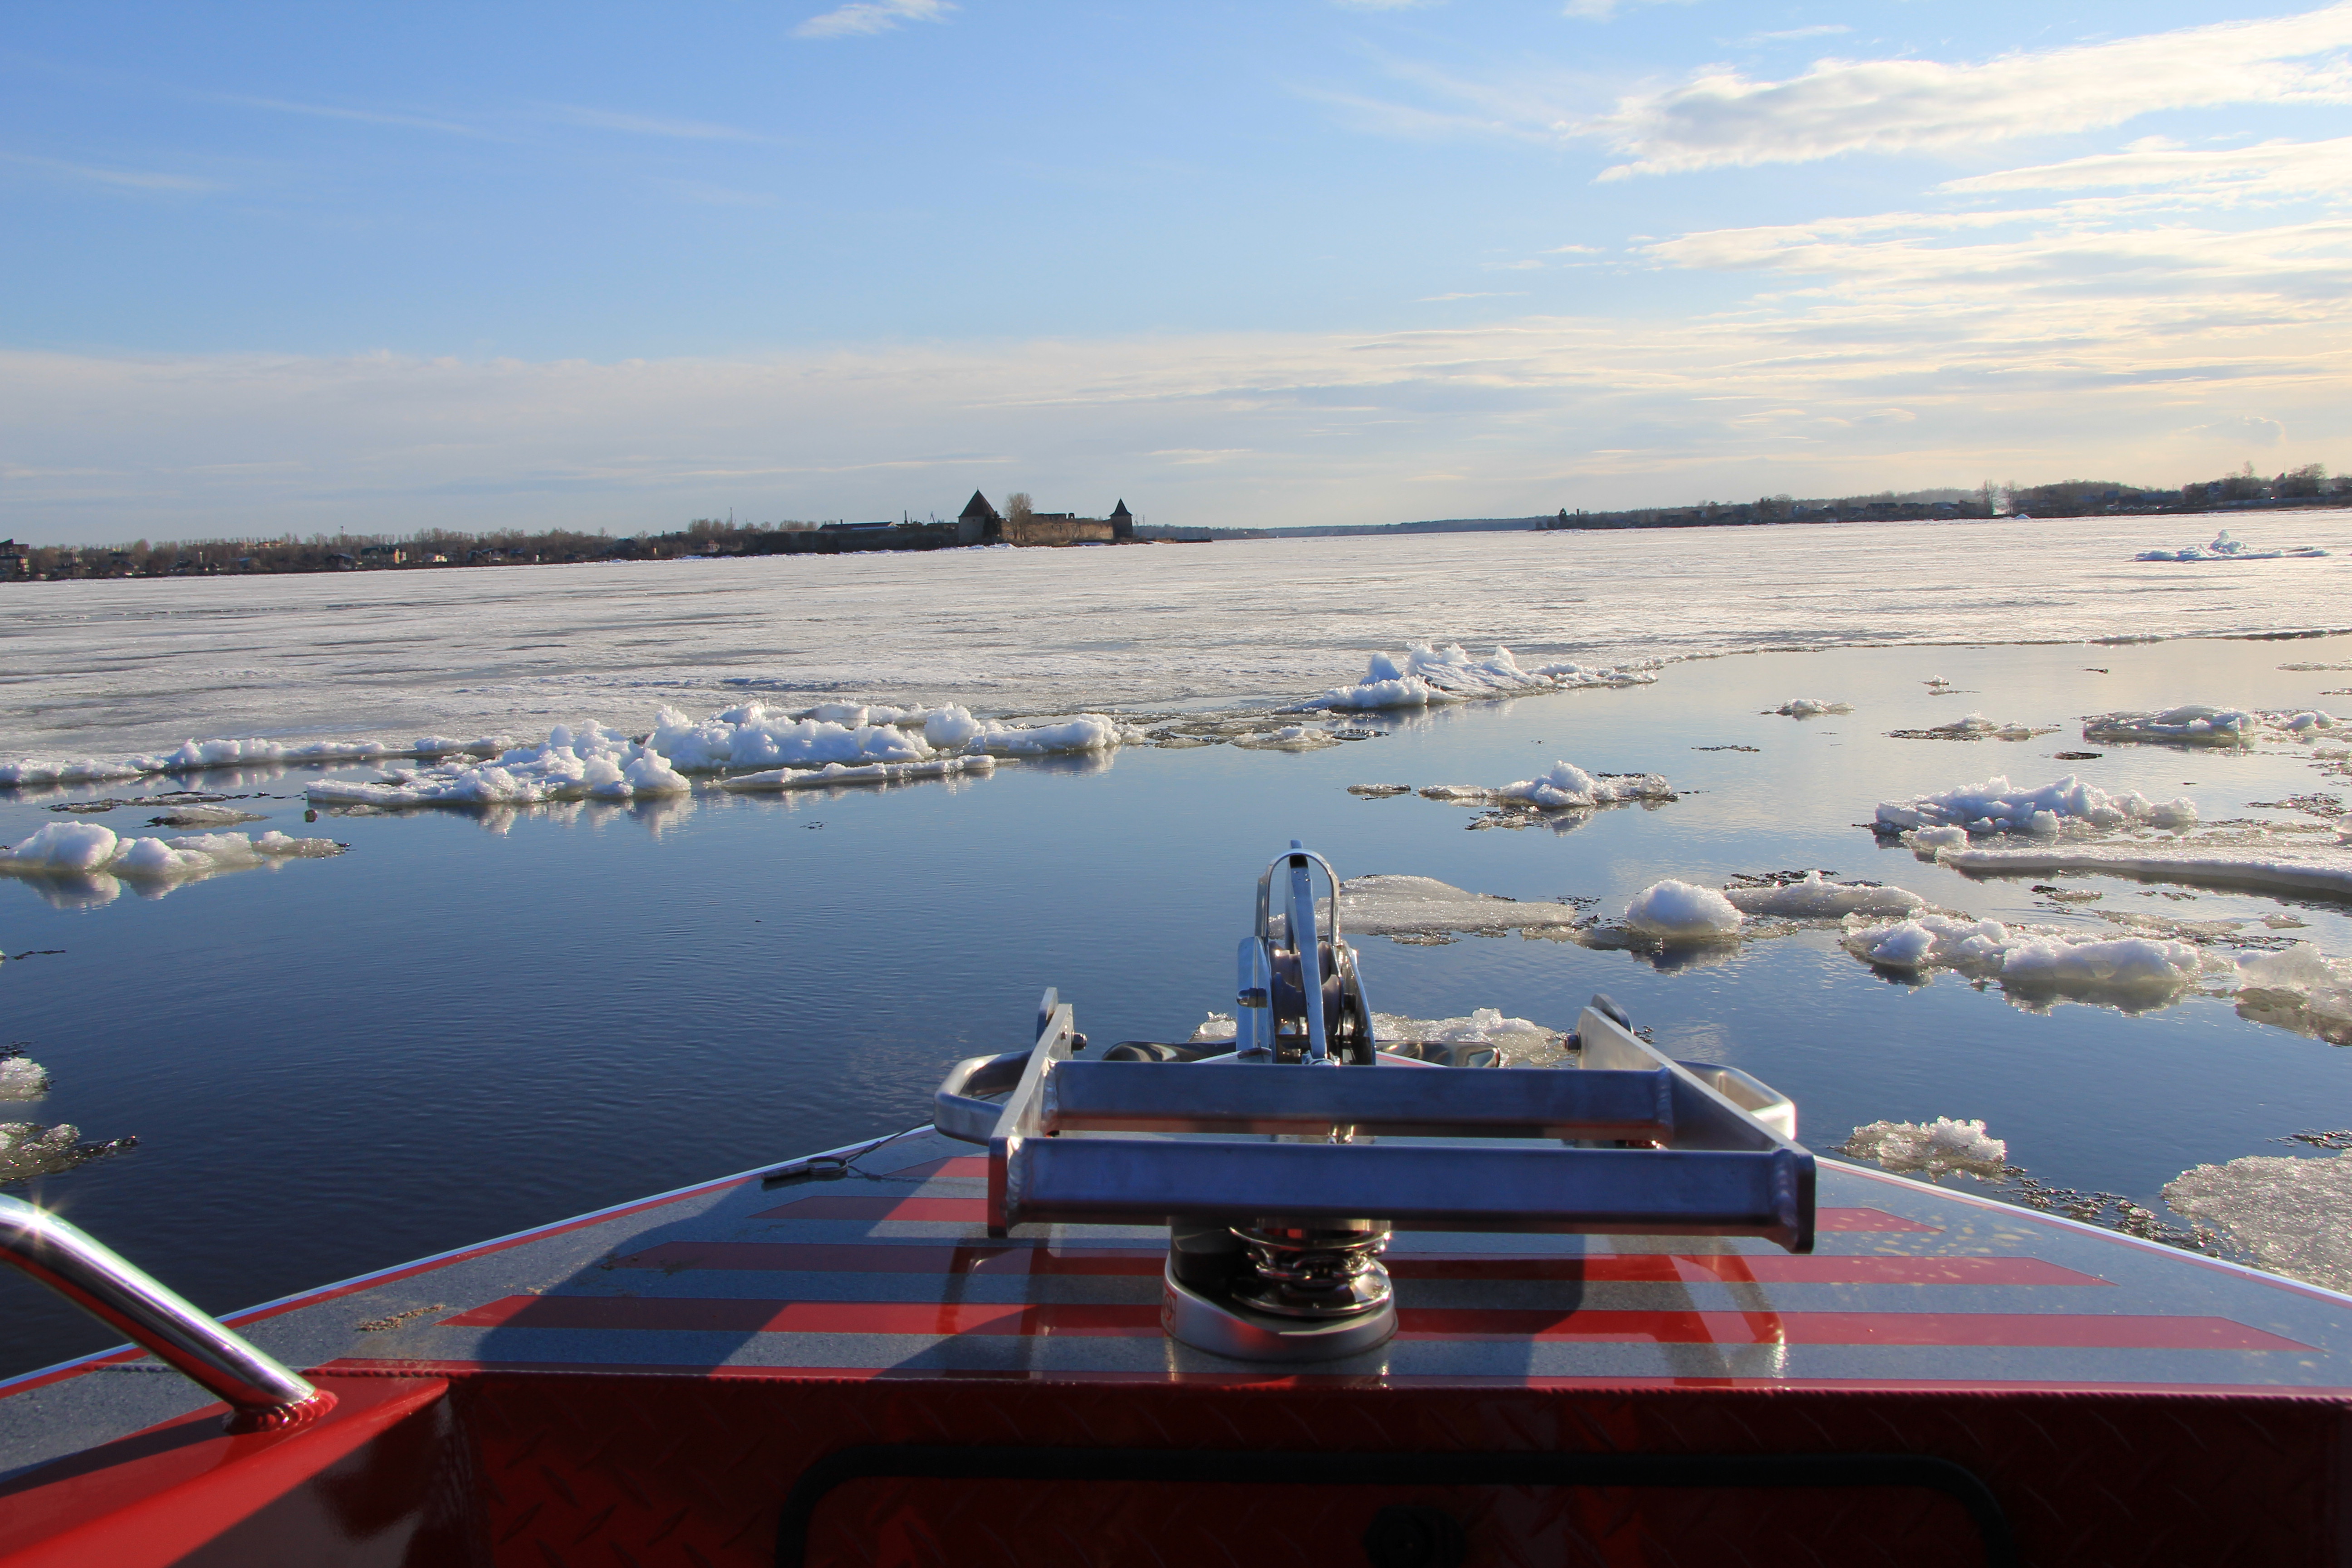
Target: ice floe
1425,911
69,849
1671,911
1931,1149
2036,964
1973,727
1565,790
833,774
194,756
1810,707
2299,989
1812,898
21,1077
749,736
1998,807
2225,548
2263,864
27,1149
2205,724
1425,675
2290,1215
586,762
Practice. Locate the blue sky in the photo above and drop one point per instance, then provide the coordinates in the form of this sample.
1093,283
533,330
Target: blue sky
302,267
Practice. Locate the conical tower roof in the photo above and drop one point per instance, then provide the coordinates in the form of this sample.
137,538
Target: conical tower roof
977,507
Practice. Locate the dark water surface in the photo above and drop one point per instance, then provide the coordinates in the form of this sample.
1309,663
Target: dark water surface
472,1024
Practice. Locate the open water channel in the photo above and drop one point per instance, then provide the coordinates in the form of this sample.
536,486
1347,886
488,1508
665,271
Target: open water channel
476,1021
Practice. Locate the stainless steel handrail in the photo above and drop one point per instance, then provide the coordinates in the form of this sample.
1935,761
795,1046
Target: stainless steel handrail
265,1394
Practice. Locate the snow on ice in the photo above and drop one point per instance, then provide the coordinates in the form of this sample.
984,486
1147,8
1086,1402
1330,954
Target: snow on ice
1425,675
1814,899
1810,707
2225,548
69,849
1426,911
1683,912
1996,805
2204,724
587,762
2035,963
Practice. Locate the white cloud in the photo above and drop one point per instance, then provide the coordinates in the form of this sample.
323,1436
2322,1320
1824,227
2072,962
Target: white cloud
1722,119
1790,34
1602,10
872,16
359,116
2271,169
145,180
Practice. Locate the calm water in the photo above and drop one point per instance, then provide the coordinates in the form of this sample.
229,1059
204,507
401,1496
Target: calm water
472,1024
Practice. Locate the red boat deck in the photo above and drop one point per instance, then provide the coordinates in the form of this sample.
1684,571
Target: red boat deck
646,1385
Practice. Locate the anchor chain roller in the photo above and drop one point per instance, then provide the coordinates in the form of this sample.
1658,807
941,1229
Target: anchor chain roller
1281,1187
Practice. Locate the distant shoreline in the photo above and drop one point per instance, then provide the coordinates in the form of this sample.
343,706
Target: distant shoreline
442,551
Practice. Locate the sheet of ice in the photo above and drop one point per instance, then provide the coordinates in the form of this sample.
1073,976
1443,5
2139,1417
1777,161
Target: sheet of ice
1816,899
1520,1042
194,756
2269,866
1426,908
1931,1149
1810,707
833,774
2204,724
1057,631
1425,675
1975,727
1683,912
67,848
1996,805
2035,964
2291,1217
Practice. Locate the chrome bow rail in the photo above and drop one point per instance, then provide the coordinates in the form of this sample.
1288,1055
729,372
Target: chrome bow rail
263,1394
1270,1180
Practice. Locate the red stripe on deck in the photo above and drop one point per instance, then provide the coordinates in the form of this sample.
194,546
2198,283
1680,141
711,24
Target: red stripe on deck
687,1313
690,1314
968,1165
1019,1258
974,1211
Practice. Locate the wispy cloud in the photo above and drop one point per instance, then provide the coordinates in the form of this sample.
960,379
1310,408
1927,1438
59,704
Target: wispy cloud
1722,119
2271,169
1790,34
647,124
1473,294
146,180
359,116
872,16
1602,10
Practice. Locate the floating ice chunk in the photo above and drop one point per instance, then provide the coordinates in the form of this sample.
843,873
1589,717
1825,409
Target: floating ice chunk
583,762
1931,1149
1683,912
1973,727
2035,963
2299,989
1810,707
64,846
1996,805
2192,724
1289,738
27,1149
956,728
1426,908
2291,1217
1935,838
749,736
2269,867
870,773
1568,787
48,771
1425,675
1815,898
21,1077
1216,1028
